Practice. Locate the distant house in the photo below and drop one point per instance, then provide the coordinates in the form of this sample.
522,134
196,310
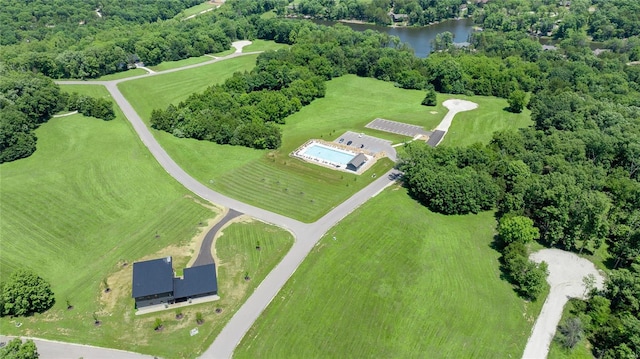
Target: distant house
357,162
398,17
154,283
549,48
461,45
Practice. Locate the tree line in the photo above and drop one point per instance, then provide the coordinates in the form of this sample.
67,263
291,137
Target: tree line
571,181
602,20
414,12
22,21
28,100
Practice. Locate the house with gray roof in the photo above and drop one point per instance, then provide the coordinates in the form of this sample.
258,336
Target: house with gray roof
357,162
154,283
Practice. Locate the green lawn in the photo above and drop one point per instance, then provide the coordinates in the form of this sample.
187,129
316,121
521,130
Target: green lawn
225,52
167,65
194,10
479,125
398,282
121,75
263,45
271,179
92,198
159,91
236,254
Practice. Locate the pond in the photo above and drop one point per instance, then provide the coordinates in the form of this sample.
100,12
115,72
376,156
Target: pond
419,38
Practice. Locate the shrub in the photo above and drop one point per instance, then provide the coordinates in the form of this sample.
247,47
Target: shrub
25,293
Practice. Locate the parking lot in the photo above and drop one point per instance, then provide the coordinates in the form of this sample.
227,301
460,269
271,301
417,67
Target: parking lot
369,143
397,127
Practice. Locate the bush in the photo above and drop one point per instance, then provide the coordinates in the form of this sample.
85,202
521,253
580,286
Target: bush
25,293
19,350
157,325
430,99
517,101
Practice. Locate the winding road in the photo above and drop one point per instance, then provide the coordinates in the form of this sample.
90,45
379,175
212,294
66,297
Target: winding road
306,234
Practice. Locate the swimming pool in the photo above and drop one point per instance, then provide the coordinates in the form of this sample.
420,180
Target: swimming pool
325,153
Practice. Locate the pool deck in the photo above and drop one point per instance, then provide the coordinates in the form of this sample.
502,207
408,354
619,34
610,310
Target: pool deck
298,153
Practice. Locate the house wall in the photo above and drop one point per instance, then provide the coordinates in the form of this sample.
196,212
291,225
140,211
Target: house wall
154,299
184,299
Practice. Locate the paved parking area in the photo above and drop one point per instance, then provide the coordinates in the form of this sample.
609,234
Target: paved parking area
397,127
369,143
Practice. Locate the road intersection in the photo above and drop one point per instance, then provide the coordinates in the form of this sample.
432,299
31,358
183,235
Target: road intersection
306,234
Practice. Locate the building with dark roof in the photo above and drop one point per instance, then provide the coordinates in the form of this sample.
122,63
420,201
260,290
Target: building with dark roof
196,282
154,283
357,162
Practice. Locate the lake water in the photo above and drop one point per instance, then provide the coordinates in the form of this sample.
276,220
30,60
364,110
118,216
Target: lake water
419,38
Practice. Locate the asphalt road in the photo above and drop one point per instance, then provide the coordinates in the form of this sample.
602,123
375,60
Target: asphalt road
306,235
49,349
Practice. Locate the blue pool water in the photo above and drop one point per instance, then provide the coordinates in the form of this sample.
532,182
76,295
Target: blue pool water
328,154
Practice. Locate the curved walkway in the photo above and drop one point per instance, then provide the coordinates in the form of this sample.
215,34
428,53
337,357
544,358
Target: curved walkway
566,273
204,255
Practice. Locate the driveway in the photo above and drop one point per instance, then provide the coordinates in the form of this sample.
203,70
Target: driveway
566,273
306,235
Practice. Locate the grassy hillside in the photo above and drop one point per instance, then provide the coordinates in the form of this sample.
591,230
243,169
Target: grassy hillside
159,91
90,197
398,282
89,200
274,181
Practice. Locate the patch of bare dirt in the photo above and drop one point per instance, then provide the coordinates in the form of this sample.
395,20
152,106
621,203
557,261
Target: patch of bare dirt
120,281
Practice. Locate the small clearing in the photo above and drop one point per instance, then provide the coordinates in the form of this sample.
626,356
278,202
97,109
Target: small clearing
566,273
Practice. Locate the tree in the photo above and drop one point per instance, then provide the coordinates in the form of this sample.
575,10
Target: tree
570,333
517,229
24,293
16,349
443,41
517,101
430,98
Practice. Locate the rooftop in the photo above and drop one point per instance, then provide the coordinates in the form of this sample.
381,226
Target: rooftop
196,281
152,277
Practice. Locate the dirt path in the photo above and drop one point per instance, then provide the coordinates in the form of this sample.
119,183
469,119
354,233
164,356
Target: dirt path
566,273
65,114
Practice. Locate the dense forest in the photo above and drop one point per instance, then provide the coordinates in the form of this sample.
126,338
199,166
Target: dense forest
570,181
413,12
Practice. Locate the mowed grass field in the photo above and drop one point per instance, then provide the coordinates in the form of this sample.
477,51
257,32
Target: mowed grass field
263,45
121,75
91,199
398,282
277,182
194,10
479,125
235,253
166,65
147,94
